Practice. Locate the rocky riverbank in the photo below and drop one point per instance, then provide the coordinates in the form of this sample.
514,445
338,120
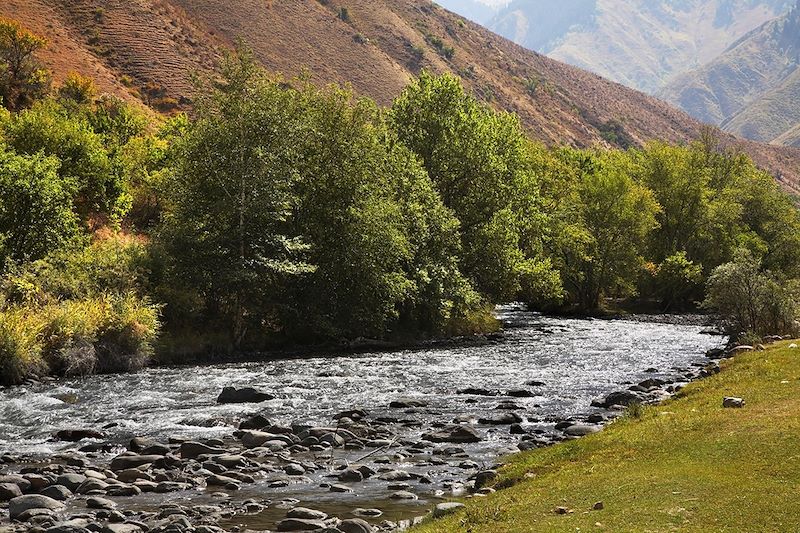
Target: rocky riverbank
182,485
362,443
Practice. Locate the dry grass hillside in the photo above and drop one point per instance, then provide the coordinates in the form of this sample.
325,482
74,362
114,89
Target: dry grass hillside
148,48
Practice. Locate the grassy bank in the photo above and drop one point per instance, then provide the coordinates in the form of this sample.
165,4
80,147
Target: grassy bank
687,465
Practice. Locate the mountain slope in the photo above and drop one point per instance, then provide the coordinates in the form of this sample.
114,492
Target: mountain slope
640,43
753,88
150,47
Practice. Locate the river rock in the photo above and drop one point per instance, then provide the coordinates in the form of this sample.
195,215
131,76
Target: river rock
733,403
484,478
581,430
403,495
371,513
9,491
623,398
243,395
716,353
193,450
355,525
351,475
447,508
23,484
520,393
453,433
17,506
122,528
407,403
124,462
300,524
75,435
306,514
501,419
57,492
740,349
71,481
100,503
294,469
474,391
258,421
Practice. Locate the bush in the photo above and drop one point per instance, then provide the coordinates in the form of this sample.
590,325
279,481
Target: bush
77,337
20,345
752,301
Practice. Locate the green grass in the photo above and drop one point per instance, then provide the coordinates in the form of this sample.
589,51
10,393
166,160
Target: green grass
686,465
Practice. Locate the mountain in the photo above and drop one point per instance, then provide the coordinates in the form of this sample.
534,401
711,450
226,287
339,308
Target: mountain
148,48
753,88
640,43
480,11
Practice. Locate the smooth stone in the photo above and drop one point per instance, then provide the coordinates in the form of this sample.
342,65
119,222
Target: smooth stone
453,433
623,398
121,528
447,508
370,513
581,430
732,402
403,495
17,506
474,391
125,462
300,524
258,421
501,419
100,503
351,475
339,488
355,525
57,492
520,393
193,450
306,514
71,481
9,491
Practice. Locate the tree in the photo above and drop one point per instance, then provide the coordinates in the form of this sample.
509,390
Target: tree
49,128
601,252
482,165
22,78
227,232
36,215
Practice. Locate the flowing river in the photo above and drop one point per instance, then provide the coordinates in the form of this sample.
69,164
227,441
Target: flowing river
562,364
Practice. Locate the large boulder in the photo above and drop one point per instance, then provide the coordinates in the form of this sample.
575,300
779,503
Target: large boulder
243,395
453,433
21,504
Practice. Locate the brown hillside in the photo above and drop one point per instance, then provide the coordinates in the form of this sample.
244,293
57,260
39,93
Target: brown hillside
375,45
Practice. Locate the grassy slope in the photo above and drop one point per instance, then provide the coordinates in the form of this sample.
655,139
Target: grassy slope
687,464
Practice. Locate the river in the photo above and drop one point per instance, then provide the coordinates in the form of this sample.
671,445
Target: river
573,360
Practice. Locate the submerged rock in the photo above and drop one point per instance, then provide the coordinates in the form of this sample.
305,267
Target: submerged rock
244,395
453,433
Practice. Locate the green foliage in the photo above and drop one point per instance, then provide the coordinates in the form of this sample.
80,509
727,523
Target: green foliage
77,90
22,78
35,207
444,50
751,300
678,282
484,169
602,244
50,129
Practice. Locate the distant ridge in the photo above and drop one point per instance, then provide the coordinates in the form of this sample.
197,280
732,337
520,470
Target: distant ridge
147,48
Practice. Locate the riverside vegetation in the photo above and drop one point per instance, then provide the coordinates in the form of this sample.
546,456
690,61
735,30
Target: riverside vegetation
282,213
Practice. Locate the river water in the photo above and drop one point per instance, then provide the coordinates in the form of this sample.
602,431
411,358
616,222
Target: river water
576,360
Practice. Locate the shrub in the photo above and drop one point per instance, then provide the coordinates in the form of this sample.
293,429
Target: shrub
20,346
750,300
